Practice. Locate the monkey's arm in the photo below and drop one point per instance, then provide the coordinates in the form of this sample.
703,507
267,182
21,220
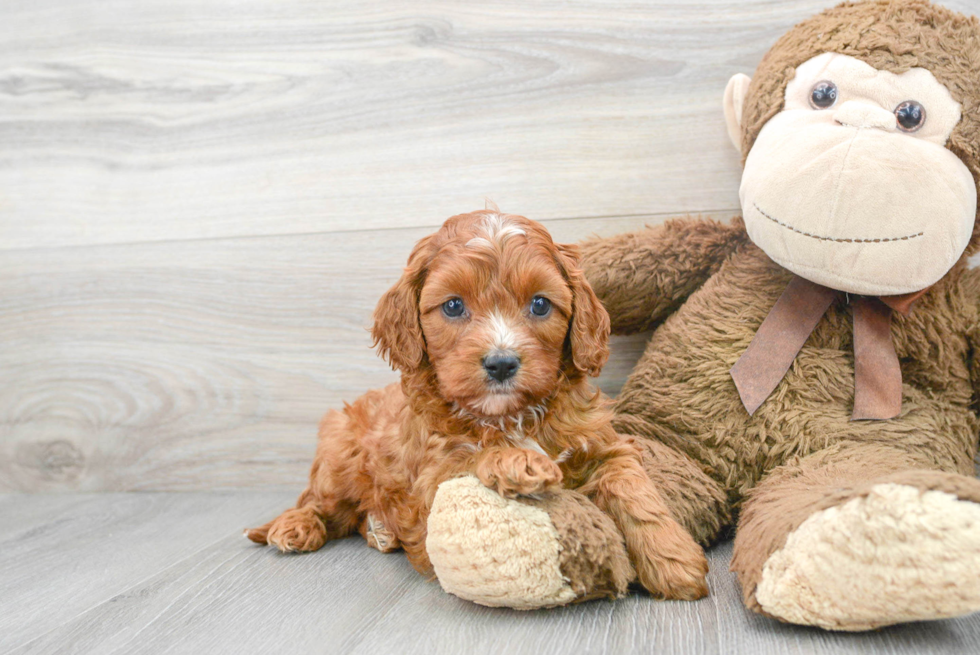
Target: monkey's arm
641,277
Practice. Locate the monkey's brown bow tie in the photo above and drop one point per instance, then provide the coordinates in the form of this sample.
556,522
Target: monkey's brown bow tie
877,375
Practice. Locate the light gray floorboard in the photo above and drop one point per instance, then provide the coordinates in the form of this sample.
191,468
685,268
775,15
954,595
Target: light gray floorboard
62,555
186,582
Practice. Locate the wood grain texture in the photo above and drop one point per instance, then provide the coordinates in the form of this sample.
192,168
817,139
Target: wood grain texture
203,589
61,555
200,364
179,119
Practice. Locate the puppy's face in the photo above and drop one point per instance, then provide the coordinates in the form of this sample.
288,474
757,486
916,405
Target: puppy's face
502,312
495,311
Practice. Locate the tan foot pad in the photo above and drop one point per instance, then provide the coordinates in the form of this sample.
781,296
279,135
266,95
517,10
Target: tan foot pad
894,556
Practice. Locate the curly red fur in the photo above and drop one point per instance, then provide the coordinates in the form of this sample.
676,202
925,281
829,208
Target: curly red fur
380,460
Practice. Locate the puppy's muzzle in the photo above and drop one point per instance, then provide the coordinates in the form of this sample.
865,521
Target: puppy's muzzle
501,366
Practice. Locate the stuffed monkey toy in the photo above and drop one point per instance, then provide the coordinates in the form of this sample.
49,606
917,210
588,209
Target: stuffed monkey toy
820,358
814,369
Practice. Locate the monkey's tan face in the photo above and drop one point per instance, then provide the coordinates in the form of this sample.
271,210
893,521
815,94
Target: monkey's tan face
851,185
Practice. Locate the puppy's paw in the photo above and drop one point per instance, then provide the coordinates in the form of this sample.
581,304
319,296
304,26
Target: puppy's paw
377,535
297,530
670,564
518,472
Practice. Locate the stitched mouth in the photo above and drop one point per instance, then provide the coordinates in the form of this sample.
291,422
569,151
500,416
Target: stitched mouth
836,240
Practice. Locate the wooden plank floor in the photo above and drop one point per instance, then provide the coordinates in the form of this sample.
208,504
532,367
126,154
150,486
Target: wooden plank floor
131,573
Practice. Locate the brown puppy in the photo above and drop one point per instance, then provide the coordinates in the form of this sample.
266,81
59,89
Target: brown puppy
495,331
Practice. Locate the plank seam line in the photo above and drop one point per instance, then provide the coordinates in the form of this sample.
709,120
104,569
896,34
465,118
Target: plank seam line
277,235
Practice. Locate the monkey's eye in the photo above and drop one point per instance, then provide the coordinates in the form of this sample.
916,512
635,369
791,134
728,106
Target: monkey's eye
823,95
540,306
453,308
911,116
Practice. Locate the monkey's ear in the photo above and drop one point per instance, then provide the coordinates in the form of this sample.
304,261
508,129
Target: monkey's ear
735,92
397,330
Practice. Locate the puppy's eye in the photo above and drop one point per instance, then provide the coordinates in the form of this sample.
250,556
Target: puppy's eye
911,115
540,306
453,308
823,95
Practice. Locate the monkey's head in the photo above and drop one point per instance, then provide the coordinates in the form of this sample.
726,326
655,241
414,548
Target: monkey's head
860,134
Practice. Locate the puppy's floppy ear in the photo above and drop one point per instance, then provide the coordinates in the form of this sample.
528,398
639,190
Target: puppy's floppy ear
588,333
397,330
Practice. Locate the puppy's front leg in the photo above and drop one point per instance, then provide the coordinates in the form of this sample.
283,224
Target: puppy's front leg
668,562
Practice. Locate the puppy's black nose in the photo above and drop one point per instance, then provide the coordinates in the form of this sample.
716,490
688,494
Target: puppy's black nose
501,366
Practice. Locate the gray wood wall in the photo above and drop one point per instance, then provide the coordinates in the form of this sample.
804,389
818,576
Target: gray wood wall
201,201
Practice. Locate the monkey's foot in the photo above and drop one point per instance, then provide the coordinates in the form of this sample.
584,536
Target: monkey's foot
898,554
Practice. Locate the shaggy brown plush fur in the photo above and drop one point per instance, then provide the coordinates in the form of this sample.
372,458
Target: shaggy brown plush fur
380,461
706,289
592,556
